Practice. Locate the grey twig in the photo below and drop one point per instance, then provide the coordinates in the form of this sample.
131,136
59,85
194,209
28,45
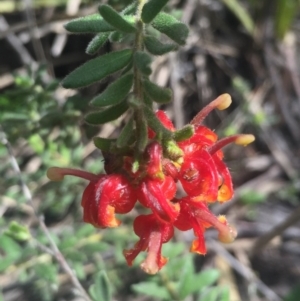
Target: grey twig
263,240
26,191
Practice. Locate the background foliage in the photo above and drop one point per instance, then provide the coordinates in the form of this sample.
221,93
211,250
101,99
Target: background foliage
246,48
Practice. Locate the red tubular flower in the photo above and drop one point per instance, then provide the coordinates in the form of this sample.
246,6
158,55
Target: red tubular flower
153,233
154,167
156,195
151,179
103,197
199,176
101,200
165,120
197,216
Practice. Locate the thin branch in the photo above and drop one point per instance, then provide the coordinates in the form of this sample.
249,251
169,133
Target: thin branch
262,241
26,191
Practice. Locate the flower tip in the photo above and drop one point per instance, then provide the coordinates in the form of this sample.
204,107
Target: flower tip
224,101
149,269
229,234
244,139
54,174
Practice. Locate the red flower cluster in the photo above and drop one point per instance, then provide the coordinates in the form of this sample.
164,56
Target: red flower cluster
198,167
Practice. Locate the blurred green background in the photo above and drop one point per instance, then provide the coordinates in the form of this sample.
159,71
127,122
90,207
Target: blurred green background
249,49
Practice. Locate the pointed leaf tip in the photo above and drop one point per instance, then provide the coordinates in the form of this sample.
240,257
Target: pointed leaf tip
151,9
157,93
115,92
110,114
170,26
115,19
88,24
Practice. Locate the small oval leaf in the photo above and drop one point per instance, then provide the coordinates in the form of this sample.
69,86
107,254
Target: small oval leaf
96,43
155,47
185,133
171,27
151,9
101,290
143,61
115,92
110,114
156,125
125,134
97,69
115,19
104,144
88,24
157,93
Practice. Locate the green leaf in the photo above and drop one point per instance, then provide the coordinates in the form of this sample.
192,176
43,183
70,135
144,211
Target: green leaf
88,24
96,43
104,144
248,196
286,11
79,270
130,9
143,61
116,36
142,133
170,26
173,250
85,230
157,93
46,271
205,279
115,92
155,124
186,280
151,9
107,115
225,294
125,134
241,13
101,291
211,294
152,289
115,19
10,251
97,69
294,294
185,133
18,232
36,142
95,247
155,47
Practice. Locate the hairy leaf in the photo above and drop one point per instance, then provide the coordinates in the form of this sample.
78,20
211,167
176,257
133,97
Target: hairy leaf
96,43
157,93
115,19
115,92
151,9
107,115
155,47
142,61
97,69
104,143
125,134
170,26
88,24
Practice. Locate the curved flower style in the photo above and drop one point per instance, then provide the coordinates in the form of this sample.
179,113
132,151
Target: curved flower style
196,163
